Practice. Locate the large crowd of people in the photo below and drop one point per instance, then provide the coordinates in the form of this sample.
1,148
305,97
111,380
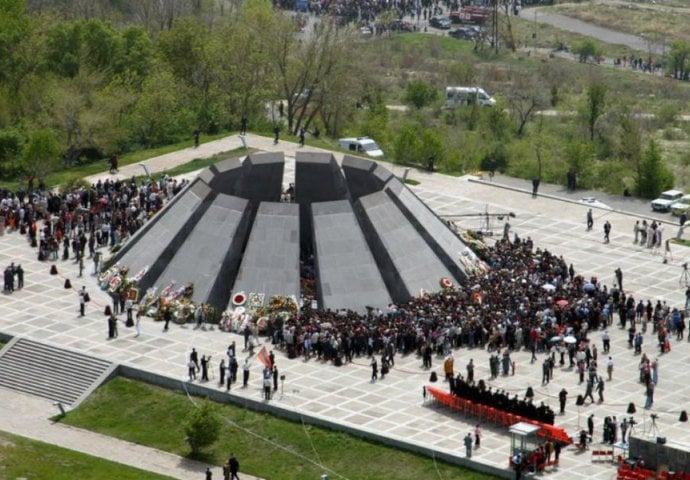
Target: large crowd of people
103,215
529,298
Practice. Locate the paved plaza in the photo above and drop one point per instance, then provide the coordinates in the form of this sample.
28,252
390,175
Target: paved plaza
44,310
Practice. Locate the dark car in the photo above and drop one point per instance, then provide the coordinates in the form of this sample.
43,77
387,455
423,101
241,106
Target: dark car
440,22
465,33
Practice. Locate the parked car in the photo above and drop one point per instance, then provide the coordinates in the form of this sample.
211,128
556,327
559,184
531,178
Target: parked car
682,206
663,203
440,22
363,145
466,33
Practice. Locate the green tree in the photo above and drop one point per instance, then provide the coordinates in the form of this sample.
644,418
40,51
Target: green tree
14,29
419,94
202,427
587,49
654,177
594,108
678,58
41,154
10,148
629,148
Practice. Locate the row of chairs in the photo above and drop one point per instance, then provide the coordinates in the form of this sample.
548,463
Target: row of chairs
625,472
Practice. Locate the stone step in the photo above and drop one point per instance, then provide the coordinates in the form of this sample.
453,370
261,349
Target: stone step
50,372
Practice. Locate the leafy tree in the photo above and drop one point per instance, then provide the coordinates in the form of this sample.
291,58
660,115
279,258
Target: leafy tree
678,58
654,177
14,29
594,107
419,94
160,114
629,148
202,427
405,145
10,148
587,49
41,154
526,97
580,158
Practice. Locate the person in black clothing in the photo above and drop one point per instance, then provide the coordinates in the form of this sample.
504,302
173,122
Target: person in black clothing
197,134
19,271
167,316
535,186
234,467
276,133
562,398
204,367
302,134
243,125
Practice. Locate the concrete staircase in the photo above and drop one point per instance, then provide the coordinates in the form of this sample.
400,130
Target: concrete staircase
54,373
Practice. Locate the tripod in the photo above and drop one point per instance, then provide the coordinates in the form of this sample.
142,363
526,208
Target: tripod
653,429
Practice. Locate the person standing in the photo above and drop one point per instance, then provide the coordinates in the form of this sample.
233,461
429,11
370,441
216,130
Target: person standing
681,228
606,340
19,271
649,401
276,135
609,368
221,371
82,300
194,357
302,134
245,373
267,385
137,323
374,369
275,378
129,306
191,370
468,445
234,467
167,316
205,361
619,278
197,135
590,220
562,398
590,425
243,125
209,474
477,436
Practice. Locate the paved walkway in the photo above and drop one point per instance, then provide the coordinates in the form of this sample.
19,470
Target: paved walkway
28,416
45,311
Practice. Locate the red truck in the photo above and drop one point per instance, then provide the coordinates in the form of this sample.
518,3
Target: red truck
476,15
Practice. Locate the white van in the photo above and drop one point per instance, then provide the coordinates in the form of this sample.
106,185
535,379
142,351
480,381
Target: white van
361,145
460,96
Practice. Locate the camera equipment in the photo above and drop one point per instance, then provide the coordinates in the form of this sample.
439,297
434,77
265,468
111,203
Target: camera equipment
632,421
654,416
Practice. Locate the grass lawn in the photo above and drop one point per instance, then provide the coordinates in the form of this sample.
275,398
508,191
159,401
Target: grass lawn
153,416
22,458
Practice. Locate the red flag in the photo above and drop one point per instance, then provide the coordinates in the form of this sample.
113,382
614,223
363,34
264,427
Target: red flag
263,357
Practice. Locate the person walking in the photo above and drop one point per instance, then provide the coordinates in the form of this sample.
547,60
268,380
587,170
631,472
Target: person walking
607,232
234,467
535,186
609,368
374,369
137,323
276,135
468,445
197,135
194,357
243,125
600,389
209,474
302,134
590,220
649,400
167,316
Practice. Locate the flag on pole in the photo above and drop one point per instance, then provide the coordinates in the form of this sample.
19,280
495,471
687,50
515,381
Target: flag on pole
263,357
